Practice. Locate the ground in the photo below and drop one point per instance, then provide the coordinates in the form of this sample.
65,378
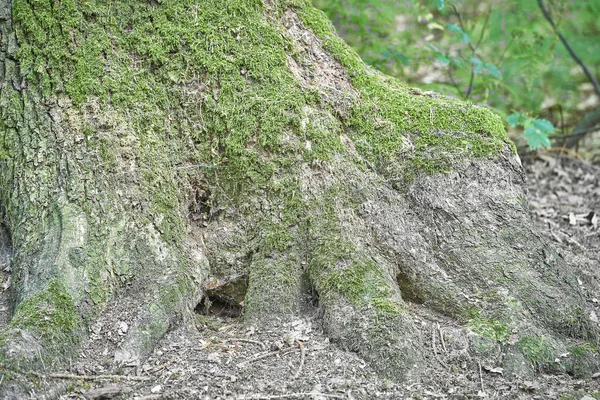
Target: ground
217,357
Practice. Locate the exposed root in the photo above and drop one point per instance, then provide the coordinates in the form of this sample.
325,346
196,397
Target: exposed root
302,357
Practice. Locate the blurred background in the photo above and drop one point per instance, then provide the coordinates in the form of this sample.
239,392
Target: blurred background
536,63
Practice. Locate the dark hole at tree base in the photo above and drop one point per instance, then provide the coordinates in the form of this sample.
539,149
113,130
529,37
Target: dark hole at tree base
215,306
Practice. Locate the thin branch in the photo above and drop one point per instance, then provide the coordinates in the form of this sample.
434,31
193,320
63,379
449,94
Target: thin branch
471,46
261,344
576,134
265,355
454,83
302,357
471,81
302,395
574,55
98,377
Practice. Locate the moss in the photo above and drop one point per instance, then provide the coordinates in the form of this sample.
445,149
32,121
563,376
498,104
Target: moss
488,328
364,283
441,128
582,360
536,350
579,395
51,315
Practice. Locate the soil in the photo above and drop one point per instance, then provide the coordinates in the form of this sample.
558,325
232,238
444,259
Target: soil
217,357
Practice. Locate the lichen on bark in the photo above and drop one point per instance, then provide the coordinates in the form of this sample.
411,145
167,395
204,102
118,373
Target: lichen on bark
156,152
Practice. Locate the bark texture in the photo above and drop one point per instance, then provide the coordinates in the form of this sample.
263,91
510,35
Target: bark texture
157,153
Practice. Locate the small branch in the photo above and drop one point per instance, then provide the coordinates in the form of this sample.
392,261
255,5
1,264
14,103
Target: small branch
302,357
441,338
574,55
261,344
481,377
99,377
587,124
470,88
265,355
294,395
471,46
451,77
565,150
443,364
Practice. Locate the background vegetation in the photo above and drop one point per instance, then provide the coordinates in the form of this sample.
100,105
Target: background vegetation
503,53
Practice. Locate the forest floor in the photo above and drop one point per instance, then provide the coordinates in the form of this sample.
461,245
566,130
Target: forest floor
220,358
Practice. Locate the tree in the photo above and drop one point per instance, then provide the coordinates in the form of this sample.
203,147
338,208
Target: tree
158,153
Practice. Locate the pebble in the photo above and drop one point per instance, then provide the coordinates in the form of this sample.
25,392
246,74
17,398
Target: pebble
156,389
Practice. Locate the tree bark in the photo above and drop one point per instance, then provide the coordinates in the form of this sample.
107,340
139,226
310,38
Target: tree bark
158,153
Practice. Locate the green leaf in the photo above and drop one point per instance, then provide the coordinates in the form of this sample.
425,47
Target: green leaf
442,58
402,58
457,61
536,138
494,71
513,119
477,63
454,28
457,29
439,4
543,125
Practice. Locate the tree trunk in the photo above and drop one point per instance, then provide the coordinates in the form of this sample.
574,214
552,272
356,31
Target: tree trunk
158,153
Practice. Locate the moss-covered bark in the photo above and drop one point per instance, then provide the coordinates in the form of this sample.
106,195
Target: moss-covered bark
153,152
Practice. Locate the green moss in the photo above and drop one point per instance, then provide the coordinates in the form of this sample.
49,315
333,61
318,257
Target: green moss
488,328
51,315
579,395
441,128
364,284
583,350
582,360
536,350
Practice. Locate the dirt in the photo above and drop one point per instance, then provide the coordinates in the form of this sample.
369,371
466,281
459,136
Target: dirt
215,356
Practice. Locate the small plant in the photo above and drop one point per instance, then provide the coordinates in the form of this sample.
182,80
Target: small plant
537,131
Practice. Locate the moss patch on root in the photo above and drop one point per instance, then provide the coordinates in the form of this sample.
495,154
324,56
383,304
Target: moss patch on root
51,316
441,129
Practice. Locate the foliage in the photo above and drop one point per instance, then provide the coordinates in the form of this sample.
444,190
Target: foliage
504,54
536,130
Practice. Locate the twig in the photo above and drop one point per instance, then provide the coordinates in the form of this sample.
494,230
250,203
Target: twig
441,337
471,46
302,357
41,359
265,355
261,344
292,395
565,150
574,55
454,83
481,377
581,132
443,364
99,377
